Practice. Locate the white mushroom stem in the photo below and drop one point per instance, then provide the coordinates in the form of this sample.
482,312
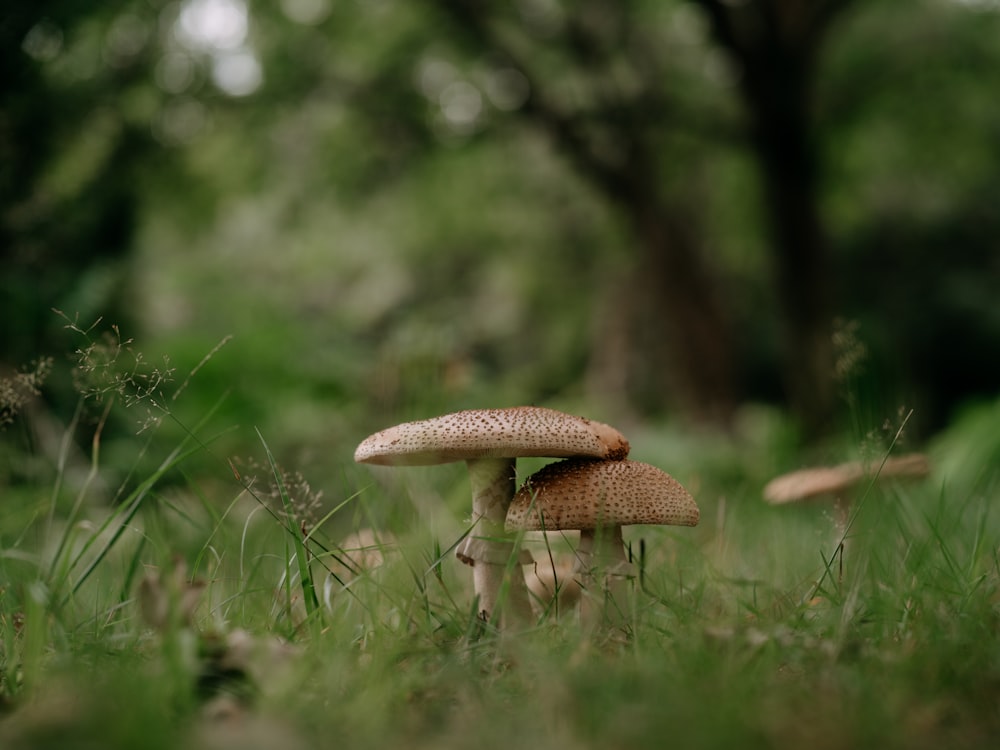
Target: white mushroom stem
488,548
842,507
605,572
554,585
602,547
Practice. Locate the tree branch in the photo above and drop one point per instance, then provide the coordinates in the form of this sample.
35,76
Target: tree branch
563,126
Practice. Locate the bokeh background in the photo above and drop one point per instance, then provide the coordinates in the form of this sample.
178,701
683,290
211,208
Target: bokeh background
665,212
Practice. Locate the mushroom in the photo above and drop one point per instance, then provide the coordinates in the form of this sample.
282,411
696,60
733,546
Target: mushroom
553,586
361,551
598,498
168,597
490,441
840,482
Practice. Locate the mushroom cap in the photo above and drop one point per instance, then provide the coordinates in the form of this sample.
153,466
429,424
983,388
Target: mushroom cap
587,494
514,432
813,483
808,484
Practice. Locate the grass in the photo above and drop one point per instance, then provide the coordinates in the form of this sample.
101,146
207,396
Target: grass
222,610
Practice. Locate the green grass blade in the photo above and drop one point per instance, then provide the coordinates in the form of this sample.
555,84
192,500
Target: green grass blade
299,550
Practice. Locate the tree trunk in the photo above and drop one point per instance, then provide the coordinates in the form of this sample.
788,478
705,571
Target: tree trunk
683,334
667,342
802,270
684,318
775,43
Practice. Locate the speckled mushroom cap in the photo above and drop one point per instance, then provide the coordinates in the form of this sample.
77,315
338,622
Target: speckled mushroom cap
515,432
585,494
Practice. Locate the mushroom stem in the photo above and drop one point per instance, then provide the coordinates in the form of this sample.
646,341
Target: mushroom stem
605,572
601,547
489,548
842,506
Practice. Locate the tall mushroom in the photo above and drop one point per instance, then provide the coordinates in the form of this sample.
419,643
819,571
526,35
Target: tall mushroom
490,441
598,498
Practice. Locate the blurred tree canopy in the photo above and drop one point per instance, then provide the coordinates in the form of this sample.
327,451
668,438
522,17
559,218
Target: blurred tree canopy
667,207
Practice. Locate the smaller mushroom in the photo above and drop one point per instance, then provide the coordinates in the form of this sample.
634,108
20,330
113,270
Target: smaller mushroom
598,498
168,597
840,483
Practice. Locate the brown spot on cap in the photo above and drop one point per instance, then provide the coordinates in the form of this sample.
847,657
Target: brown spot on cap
515,432
586,494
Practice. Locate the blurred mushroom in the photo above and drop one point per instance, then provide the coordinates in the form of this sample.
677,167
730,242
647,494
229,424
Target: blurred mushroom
598,498
840,483
168,597
490,441
360,552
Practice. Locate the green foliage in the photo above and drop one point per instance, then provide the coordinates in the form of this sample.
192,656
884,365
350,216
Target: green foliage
358,240
919,250
345,247
181,608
